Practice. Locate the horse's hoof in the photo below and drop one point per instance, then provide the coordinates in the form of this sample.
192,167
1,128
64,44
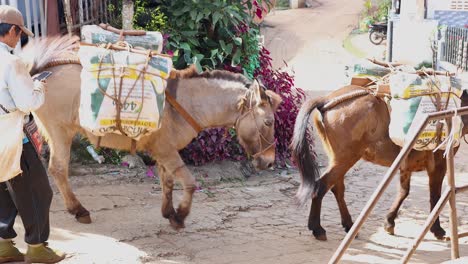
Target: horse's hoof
390,230
321,237
443,238
176,223
320,234
84,219
440,234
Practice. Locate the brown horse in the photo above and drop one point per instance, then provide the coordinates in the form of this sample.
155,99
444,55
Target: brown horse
214,99
352,130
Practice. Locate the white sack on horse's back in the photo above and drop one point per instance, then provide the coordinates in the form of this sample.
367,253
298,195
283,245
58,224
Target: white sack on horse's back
365,68
93,34
142,102
409,107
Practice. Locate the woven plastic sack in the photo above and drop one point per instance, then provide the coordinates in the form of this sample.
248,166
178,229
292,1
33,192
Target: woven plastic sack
365,68
142,96
94,34
11,145
409,107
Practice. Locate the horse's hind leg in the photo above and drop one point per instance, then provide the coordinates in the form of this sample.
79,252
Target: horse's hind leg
60,145
338,190
404,189
334,174
436,177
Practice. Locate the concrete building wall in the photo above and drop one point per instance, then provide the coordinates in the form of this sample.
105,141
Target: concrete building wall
412,40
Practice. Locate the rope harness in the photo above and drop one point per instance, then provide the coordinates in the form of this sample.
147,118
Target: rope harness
260,136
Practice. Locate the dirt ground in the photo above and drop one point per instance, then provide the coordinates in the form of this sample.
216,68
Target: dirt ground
237,220
254,220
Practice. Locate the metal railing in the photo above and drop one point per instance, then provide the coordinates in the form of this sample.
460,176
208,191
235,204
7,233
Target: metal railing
448,195
456,47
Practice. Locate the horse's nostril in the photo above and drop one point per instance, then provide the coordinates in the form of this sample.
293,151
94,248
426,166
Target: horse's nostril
269,165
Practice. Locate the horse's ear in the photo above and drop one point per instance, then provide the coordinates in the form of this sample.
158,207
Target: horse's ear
256,92
274,99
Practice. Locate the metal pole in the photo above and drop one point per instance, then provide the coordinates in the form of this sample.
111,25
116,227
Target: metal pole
376,195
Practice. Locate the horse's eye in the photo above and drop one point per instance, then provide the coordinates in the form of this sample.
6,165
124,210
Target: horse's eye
268,122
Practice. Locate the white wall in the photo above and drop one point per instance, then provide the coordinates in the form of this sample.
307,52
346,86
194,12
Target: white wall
412,40
433,5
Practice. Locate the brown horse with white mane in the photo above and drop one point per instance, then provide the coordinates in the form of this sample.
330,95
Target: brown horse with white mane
352,130
213,99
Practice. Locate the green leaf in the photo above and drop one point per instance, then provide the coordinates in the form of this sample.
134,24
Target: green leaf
199,17
223,45
213,52
237,41
193,14
236,58
185,46
194,42
189,33
229,48
216,17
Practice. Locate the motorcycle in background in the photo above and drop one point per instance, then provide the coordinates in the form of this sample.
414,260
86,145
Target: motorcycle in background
378,32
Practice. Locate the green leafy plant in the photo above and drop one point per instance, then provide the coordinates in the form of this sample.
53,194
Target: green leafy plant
206,33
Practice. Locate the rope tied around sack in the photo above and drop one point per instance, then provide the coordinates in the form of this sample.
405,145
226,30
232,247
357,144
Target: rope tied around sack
117,98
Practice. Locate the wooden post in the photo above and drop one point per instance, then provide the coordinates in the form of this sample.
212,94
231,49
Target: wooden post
127,14
429,221
452,201
68,17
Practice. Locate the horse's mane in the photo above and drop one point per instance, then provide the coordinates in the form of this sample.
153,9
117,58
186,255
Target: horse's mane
191,72
41,51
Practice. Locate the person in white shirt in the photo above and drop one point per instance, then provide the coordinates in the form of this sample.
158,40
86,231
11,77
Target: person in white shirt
27,194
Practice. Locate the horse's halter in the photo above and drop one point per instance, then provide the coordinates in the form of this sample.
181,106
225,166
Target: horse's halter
250,111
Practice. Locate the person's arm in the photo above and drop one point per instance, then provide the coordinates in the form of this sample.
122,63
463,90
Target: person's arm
27,94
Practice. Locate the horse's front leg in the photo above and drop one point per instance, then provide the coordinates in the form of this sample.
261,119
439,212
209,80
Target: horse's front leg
60,144
436,177
404,190
176,169
167,185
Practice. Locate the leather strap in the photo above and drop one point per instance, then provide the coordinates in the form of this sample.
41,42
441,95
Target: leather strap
183,112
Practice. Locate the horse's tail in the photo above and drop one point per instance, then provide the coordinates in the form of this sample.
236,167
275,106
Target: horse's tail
41,51
301,153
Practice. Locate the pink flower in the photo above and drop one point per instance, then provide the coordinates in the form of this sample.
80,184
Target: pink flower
150,172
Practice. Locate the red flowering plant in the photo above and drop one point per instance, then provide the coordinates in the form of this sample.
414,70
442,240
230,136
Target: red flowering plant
224,34
281,83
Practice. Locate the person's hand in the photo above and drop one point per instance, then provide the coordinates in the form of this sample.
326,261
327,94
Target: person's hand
40,86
